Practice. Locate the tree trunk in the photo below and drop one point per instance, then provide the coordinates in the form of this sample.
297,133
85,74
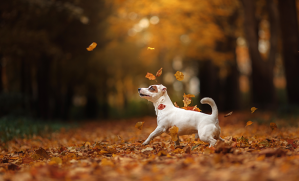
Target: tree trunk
290,42
1,72
43,80
262,87
209,83
231,84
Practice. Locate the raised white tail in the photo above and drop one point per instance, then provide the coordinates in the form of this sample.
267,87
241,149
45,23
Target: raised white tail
211,102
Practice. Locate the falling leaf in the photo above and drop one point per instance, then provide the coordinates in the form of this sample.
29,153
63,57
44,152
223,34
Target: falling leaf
159,73
139,125
92,46
179,75
149,48
42,153
186,101
161,106
188,95
175,104
273,126
150,76
228,114
253,109
192,108
173,131
195,108
249,123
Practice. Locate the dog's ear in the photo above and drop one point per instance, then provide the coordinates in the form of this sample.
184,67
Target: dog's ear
164,89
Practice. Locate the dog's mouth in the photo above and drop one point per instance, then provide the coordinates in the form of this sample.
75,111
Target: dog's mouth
143,95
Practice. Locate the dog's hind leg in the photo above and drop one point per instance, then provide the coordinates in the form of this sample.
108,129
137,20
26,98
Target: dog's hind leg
156,132
221,139
196,136
208,139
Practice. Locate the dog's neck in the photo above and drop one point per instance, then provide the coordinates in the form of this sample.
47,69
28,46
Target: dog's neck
165,99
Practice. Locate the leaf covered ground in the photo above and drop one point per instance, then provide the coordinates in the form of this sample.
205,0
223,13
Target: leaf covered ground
113,151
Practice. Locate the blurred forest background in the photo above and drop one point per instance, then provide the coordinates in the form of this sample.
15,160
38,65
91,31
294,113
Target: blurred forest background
242,53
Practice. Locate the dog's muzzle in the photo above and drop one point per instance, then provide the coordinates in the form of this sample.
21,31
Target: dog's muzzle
142,95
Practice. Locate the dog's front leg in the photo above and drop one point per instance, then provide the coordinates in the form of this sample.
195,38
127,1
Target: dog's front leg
156,132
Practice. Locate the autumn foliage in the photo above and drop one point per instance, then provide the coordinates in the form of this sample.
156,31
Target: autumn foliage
114,151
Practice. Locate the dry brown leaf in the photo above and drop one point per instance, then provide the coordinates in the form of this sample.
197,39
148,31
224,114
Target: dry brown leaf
150,76
42,153
92,46
139,125
159,73
173,131
273,126
228,114
179,75
253,109
175,104
249,123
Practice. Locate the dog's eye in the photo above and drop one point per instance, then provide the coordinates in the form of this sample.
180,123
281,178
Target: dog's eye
151,88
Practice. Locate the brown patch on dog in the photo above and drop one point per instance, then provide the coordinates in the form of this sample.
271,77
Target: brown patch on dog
153,89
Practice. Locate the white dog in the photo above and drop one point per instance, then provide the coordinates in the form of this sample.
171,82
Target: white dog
205,126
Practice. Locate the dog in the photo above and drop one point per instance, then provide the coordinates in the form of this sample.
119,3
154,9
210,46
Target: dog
204,126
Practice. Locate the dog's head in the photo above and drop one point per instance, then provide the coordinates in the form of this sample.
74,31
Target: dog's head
153,92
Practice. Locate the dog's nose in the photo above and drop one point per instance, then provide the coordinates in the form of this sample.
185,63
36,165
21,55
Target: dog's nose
139,89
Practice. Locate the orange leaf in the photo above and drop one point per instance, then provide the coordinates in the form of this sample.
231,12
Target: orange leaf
179,75
192,108
150,76
173,131
187,99
188,95
175,104
161,106
253,109
195,108
249,123
228,114
273,126
92,46
139,125
159,73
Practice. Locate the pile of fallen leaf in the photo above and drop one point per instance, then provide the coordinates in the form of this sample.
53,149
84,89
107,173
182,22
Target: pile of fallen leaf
113,151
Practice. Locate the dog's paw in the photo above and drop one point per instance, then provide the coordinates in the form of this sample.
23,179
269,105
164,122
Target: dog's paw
144,143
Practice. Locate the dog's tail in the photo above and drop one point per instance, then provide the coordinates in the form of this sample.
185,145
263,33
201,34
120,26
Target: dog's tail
211,102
